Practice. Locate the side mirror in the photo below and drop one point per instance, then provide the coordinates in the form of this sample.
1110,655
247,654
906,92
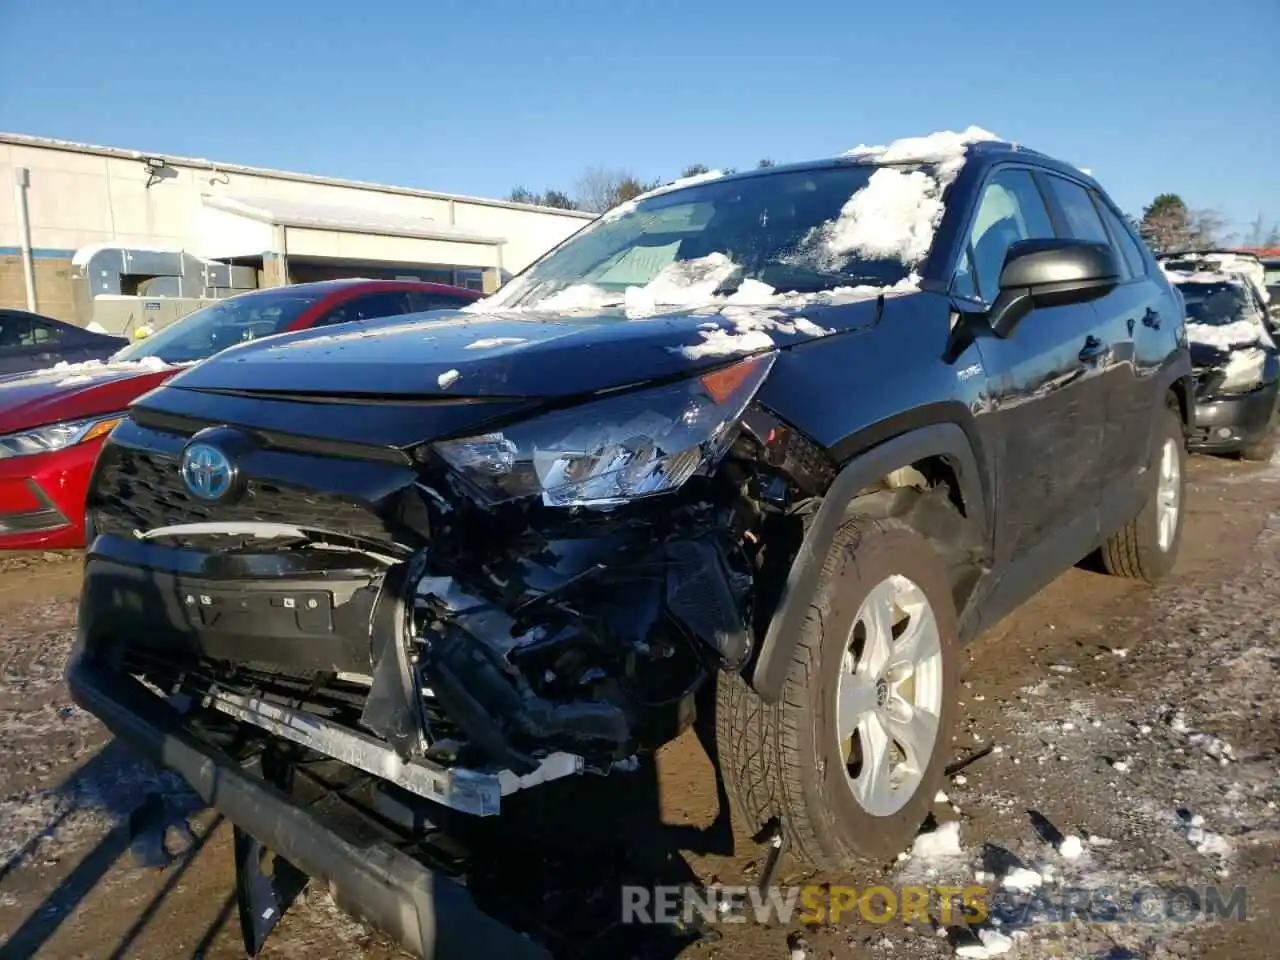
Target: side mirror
1051,273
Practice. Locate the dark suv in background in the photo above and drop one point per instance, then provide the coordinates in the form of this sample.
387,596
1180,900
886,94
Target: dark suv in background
747,449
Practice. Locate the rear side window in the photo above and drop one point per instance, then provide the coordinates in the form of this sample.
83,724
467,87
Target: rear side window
1125,238
421,302
1083,222
1011,209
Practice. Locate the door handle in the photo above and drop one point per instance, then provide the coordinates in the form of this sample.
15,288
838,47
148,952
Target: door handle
1092,350
1151,319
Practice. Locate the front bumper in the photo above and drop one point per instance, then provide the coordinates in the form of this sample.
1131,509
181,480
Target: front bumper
1228,423
42,498
429,914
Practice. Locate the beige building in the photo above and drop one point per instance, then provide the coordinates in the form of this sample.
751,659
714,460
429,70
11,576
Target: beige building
82,226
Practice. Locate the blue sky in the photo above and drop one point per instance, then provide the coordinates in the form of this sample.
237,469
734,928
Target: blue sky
477,97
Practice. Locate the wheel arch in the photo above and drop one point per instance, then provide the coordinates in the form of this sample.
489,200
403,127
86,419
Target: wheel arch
941,448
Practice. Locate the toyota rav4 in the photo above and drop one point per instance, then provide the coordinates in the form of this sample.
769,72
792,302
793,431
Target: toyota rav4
774,445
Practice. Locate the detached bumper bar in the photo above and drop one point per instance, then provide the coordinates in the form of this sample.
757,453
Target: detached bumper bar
427,913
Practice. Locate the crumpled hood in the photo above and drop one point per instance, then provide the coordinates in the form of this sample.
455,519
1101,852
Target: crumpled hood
73,392
510,354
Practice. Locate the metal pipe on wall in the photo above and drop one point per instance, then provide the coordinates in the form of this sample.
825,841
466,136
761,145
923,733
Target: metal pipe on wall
21,180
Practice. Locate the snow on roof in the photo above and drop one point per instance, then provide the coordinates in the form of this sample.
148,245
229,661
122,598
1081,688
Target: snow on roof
1201,276
332,216
945,148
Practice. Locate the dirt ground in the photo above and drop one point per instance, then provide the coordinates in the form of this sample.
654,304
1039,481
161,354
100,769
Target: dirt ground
1143,722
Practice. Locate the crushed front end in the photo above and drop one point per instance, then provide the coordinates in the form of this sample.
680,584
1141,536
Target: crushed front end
540,595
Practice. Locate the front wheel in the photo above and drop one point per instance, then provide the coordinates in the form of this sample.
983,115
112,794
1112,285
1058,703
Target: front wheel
1146,547
849,758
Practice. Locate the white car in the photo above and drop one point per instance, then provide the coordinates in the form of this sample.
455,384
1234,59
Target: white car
1237,262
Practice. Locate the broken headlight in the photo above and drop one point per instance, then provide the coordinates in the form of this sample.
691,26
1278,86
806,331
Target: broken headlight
612,450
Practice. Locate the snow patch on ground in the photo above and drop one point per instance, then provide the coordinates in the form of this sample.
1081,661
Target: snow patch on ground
941,844
991,943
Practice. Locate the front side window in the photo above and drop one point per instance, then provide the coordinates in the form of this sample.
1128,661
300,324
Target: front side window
793,231
1011,209
369,307
223,324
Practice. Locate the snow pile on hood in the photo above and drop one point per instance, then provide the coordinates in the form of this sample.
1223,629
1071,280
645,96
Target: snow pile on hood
1245,365
1241,333
489,343
577,296
895,215
687,284
90,370
684,283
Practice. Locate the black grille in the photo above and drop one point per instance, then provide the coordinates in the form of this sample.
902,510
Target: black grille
137,490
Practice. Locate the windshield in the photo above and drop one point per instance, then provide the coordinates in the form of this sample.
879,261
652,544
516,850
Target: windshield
783,229
1217,304
220,325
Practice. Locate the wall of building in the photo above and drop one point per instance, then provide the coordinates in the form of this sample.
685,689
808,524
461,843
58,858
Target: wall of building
81,195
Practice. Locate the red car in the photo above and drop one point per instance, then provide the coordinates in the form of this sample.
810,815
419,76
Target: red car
53,422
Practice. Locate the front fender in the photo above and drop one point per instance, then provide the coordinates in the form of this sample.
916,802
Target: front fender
940,439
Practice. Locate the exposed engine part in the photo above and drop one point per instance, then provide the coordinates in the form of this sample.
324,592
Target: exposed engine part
394,708
708,597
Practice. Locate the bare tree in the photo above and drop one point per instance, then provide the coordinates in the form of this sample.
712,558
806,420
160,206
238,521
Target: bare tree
599,188
1207,229
1262,234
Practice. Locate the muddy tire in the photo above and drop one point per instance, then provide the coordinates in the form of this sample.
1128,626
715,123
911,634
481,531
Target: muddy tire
797,760
1146,547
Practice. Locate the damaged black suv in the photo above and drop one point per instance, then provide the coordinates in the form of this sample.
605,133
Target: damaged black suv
773,444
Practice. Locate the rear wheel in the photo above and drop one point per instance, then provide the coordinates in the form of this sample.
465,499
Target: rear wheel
1146,547
849,758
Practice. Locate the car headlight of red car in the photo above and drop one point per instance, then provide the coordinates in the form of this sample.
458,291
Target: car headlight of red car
56,436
